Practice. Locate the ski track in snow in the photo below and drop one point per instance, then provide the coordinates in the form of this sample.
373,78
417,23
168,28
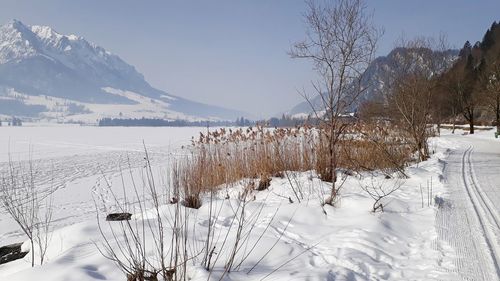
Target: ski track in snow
58,173
469,222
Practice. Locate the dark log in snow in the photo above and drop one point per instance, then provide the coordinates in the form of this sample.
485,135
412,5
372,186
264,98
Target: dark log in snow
11,252
119,217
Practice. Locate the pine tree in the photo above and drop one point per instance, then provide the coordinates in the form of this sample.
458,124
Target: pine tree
466,50
488,39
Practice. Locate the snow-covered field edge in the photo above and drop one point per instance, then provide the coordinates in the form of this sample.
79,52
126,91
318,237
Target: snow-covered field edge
300,240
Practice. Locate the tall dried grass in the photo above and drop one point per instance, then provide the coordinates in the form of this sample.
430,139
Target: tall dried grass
225,156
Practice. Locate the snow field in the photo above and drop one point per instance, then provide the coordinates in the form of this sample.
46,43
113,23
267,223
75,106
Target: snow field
293,241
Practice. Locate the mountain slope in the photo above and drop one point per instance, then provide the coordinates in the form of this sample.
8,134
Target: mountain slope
37,61
377,76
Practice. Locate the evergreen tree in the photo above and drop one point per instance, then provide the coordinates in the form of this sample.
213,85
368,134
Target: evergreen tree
488,40
466,50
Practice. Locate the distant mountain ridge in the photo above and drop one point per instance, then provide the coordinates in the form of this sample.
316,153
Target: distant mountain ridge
38,61
377,77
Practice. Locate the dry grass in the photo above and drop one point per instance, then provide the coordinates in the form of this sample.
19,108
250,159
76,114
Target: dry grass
377,146
225,156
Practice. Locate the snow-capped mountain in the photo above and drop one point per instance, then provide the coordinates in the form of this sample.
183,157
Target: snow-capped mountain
44,73
378,74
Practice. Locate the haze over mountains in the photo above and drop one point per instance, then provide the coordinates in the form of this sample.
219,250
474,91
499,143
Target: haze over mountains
44,74
47,75
378,75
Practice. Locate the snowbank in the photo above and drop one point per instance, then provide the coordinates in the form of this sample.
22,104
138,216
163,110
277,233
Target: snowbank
300,240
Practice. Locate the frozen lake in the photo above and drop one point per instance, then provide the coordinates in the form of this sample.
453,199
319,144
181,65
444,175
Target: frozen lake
74,160
66,140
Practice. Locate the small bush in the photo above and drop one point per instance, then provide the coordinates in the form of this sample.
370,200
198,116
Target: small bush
264,183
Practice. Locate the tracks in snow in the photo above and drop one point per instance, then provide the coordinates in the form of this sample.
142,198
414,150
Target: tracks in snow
486,214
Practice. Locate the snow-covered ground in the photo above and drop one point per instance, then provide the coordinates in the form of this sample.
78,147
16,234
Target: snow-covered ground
74,158
59,109
410,240
53,140
469,220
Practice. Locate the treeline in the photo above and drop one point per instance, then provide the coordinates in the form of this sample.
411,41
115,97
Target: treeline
155,122
285,121
274,122
424,92
15,122
471,88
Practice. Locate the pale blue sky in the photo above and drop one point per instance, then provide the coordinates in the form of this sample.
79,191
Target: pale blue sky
231,52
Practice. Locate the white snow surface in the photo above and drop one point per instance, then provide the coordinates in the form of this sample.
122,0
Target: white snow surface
58,109
312,243
468,219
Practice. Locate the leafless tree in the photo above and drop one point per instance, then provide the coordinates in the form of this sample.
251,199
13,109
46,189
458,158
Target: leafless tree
24,202
461,82
451,87
468,98
411,93
341,42
492,92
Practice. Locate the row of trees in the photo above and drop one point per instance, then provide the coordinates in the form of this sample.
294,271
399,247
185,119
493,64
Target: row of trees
471,88
423,90
14,122
155,122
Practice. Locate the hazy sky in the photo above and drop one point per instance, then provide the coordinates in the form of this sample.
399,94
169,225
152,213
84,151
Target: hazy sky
232,52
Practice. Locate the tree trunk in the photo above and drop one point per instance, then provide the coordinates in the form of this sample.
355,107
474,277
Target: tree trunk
471,124
32,253
426,150
333,171
497,113
454,120
422,151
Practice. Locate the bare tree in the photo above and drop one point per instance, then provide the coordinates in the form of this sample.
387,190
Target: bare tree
411,93
492,92
468,99
451,87
461,83
340,41
25,205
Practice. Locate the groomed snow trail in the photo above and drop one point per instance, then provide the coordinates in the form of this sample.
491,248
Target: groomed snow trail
470,221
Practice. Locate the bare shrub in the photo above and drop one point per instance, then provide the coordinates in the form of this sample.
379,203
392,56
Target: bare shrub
379,190
128,243
28,205
160,239
413,90
264,183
